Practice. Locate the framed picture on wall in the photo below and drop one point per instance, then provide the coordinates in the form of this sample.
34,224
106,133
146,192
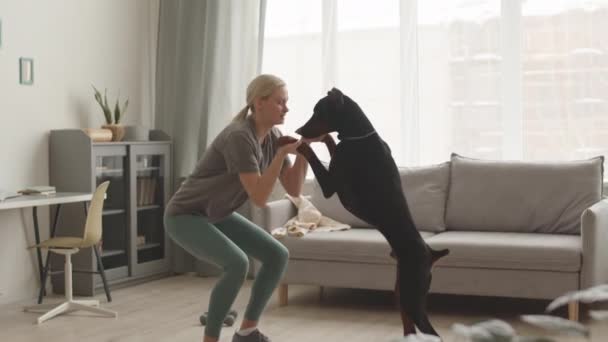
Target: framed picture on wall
26,71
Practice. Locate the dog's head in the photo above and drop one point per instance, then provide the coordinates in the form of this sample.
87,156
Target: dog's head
329,114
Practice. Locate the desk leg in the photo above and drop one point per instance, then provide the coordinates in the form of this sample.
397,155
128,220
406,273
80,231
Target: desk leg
45,273
37,236
55,220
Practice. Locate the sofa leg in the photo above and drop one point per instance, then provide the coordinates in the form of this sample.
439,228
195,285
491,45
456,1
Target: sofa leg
283,295
573,310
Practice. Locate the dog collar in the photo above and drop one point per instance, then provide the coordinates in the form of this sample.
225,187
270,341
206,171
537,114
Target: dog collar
360,137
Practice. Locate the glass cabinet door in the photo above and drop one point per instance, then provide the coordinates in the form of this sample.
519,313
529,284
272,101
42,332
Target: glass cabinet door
149,191
114,245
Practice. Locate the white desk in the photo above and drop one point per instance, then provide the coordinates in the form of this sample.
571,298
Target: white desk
26,201
34,201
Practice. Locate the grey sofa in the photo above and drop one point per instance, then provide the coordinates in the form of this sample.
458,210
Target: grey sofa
515,229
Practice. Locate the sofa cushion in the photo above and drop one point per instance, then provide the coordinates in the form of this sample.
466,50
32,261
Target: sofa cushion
425,188
426,191
516,251
355,245
532,197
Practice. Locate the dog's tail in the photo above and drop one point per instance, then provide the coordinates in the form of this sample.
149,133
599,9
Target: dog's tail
438,254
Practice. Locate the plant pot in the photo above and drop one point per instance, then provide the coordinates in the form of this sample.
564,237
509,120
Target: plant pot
98,134
118,131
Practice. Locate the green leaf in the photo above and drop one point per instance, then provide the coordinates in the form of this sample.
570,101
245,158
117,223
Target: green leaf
116,113
104,108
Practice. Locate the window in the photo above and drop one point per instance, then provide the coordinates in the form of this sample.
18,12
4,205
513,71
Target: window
565,74
496,79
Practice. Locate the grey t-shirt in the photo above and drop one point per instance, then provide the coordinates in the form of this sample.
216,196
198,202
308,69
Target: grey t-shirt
214,189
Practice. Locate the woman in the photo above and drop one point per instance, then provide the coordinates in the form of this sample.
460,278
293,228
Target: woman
244,161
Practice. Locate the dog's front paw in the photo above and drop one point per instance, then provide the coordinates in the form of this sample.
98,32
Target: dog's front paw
329,140
305,150
285,140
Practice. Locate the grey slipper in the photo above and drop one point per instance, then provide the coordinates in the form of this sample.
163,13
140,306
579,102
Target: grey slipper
255,336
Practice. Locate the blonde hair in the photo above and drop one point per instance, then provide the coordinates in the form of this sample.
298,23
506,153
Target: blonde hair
260,87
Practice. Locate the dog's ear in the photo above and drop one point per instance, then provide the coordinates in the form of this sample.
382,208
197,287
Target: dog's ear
336,94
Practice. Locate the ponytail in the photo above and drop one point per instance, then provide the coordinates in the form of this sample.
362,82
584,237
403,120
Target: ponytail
242,114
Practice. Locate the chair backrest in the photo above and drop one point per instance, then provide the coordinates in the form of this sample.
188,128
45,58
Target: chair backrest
92,227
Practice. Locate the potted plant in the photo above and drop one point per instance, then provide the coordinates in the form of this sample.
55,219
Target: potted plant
112,123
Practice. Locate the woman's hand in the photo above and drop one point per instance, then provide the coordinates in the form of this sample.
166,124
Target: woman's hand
288,145
286,139
316,139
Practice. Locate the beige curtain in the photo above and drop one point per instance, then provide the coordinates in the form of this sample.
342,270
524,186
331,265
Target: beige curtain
208,51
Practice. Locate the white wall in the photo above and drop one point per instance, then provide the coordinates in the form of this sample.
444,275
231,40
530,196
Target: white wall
74,43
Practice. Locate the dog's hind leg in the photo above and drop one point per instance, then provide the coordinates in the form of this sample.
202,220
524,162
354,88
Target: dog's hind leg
418,315
424,325
408,325
413,290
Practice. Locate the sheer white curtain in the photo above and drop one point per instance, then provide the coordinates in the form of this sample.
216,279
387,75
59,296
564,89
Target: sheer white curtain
500,79
565,78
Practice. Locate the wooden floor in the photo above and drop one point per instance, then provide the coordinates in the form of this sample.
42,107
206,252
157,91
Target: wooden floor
168,310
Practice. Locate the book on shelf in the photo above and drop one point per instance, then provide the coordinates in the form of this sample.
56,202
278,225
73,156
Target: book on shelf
146,190
38,190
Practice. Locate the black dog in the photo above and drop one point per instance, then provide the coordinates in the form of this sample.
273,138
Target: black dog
364,175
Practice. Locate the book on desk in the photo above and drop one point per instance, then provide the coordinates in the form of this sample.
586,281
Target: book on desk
38,190
5,194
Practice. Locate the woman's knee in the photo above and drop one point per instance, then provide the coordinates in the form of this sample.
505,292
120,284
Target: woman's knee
284,254
278,256
237,265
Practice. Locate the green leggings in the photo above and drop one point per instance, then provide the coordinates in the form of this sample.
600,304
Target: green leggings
227,243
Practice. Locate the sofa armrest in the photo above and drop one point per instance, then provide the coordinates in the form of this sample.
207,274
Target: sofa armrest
274,214
594,236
